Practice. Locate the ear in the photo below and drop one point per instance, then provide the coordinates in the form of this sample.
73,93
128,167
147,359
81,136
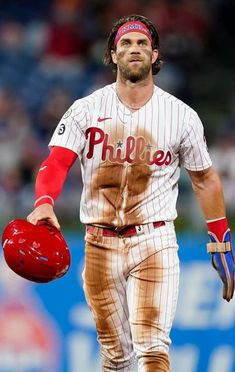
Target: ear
154,55
114,56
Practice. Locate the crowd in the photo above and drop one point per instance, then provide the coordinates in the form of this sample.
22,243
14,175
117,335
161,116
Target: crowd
51,54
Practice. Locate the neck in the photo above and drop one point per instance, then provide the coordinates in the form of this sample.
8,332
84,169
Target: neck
134,95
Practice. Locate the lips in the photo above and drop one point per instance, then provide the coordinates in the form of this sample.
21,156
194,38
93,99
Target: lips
135,62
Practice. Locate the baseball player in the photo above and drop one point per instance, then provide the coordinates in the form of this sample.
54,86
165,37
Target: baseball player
131,138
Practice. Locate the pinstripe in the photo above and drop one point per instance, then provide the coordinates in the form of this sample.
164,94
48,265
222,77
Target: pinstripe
99,204
148,206
168,120
117,312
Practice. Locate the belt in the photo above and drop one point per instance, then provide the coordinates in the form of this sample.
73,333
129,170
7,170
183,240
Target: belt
125,231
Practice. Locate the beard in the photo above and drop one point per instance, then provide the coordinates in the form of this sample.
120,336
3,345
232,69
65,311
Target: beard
132,74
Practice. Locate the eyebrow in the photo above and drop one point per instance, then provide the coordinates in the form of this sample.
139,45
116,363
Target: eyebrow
128,39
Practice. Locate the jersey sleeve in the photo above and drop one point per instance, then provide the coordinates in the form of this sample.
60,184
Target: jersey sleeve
194,153
68,132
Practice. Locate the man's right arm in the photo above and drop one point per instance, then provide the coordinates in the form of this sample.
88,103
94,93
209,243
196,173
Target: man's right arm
49,184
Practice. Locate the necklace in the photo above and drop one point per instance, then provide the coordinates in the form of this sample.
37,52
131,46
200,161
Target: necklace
131,108
128,106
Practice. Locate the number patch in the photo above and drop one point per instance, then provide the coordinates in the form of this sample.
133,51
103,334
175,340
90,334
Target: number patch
61,129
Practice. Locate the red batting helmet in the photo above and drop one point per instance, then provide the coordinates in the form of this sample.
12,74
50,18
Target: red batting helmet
37,253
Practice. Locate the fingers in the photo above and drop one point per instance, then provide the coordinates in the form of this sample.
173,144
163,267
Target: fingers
228,266
227,294
43,213
225,268
228,290
32,218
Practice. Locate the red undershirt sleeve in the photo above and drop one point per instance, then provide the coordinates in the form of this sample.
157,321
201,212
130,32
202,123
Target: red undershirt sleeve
52,175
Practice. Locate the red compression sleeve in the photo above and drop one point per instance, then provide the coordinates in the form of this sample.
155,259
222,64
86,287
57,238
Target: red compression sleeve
52,174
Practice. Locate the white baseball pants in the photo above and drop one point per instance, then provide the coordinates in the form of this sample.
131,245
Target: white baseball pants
131,286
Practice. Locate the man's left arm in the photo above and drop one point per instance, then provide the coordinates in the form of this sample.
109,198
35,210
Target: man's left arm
209,193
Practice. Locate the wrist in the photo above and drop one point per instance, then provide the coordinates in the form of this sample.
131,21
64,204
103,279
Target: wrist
45,199
218,229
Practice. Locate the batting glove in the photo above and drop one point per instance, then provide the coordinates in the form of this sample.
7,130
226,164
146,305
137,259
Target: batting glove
222,256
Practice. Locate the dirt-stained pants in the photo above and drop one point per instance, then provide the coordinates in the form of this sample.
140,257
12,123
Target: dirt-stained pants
132,288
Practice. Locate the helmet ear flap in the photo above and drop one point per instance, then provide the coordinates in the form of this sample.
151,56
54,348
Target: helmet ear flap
37,253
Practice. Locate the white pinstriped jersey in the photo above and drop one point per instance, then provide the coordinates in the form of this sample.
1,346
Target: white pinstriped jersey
131,160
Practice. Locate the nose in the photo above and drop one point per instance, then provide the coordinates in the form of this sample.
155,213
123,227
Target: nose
134,48
134,51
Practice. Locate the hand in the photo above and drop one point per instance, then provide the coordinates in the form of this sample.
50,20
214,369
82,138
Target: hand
224,264
44,213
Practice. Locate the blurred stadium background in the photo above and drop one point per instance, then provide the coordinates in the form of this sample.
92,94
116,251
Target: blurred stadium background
51,54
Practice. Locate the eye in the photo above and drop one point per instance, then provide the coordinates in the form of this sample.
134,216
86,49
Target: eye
142,42
125,42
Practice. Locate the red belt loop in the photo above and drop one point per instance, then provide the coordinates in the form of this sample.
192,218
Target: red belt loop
125,232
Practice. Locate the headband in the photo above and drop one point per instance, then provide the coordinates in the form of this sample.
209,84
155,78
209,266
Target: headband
134,26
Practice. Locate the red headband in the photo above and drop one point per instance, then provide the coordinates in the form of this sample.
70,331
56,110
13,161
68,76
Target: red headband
134,26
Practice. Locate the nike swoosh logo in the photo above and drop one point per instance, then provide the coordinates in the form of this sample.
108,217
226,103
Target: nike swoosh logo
102,119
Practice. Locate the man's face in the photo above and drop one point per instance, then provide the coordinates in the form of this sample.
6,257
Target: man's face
134,57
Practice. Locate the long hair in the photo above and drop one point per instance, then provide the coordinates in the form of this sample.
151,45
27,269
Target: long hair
156,66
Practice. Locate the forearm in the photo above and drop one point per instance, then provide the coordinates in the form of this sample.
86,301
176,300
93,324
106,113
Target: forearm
49,184
209,193
52,174
208,190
